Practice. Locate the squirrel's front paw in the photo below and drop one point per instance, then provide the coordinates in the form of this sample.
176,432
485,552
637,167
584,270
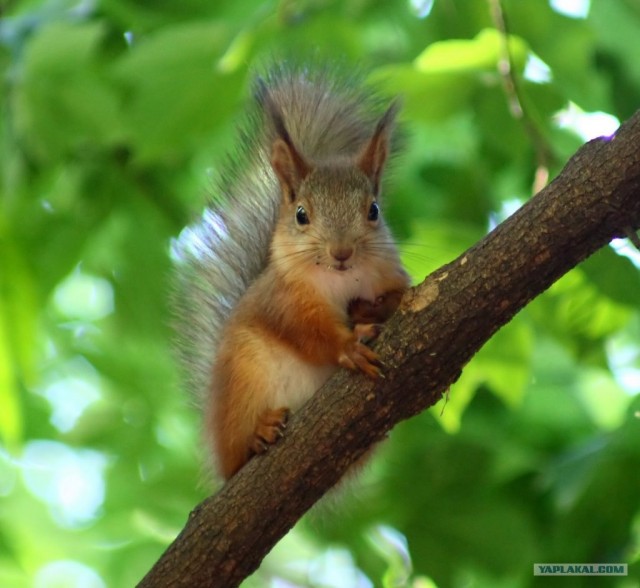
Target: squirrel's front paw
357,356
378,311
367,332
270,427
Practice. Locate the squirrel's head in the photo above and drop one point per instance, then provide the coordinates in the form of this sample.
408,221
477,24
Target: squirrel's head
331,209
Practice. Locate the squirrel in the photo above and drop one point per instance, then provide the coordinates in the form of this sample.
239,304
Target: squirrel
292,268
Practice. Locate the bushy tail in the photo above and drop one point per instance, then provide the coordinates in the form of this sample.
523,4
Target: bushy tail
327,113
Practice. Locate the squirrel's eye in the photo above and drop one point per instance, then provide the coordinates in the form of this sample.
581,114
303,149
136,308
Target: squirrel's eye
374,212
301,216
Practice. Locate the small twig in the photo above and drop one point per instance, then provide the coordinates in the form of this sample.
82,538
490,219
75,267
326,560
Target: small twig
506,68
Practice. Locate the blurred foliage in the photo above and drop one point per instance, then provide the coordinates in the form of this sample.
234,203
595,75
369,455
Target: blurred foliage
115,114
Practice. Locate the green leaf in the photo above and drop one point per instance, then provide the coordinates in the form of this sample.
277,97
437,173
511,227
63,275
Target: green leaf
11,413
178,94
574,309
63,103
442,79
476,55
503,365
428,96
18,336
614,276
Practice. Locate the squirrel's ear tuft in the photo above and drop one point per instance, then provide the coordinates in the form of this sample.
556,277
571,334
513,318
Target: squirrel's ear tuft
260,90
288,163
374,154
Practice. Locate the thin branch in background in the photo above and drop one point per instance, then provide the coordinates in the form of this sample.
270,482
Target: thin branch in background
506,68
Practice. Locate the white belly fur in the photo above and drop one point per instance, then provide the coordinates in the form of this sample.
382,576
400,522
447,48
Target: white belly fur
291,380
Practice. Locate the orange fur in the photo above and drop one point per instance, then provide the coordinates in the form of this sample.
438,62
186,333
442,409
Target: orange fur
290,317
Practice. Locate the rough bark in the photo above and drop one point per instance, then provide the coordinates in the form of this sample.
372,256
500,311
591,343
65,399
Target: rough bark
440,325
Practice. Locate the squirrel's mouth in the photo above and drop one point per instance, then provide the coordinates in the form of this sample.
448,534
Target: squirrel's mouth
341,267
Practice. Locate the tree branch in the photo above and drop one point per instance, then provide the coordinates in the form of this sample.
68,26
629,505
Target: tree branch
440,325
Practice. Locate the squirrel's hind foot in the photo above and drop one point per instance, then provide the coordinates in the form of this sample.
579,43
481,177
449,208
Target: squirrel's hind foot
269,429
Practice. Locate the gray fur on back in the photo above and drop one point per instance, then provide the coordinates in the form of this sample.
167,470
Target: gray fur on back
327,113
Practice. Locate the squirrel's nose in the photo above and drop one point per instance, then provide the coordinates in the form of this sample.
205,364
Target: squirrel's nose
341,253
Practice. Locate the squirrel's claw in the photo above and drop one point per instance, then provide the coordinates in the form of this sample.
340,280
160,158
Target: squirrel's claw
269,429
357,356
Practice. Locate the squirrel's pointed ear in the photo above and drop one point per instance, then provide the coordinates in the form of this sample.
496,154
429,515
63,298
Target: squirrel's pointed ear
374,154
290,167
